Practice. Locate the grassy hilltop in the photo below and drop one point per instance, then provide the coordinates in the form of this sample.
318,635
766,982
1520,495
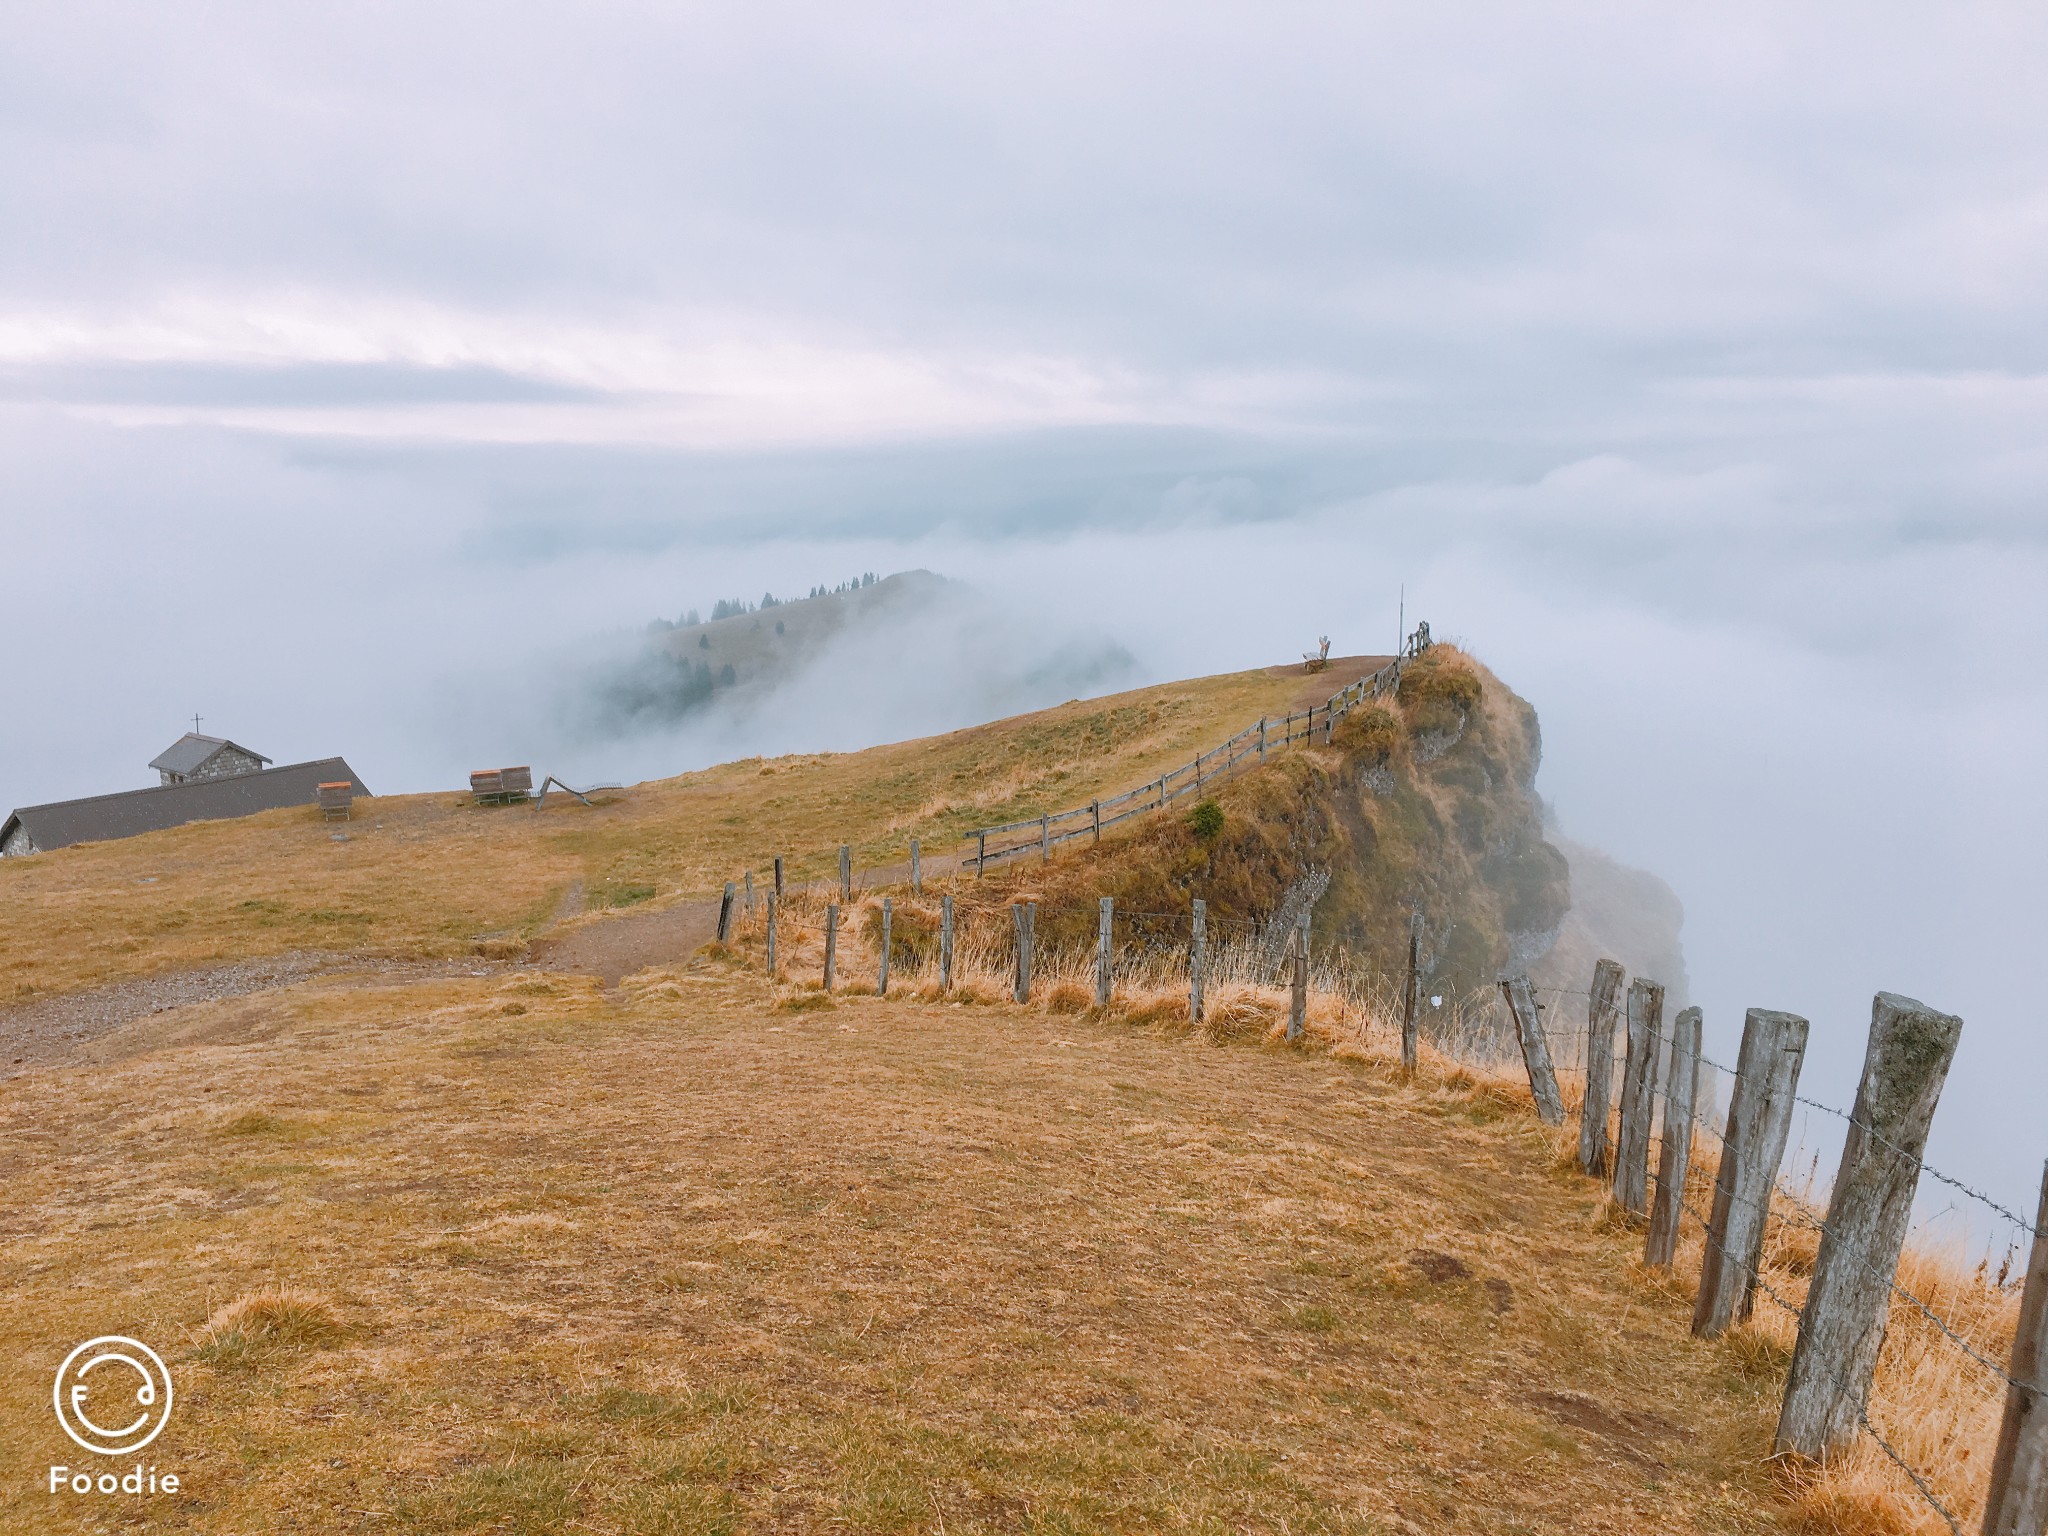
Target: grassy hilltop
469,1240
1425,803
435,875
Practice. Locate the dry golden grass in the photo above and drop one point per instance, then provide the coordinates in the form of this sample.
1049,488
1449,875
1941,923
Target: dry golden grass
511,1255
432,876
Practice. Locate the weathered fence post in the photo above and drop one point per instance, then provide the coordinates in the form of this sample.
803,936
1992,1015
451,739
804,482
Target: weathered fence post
1752,1146
1262,738
772,904
916,870
831,942
882,978
1021,913
1411,996
1638,1097
778,874
1601,1011
1198,959
1297,1001
1535,1049
1105,916
1681,1094
1095,812
749,877
980,852
725,914
946,943
1044,839
1162,791
1849,1297
2017,1503
846,874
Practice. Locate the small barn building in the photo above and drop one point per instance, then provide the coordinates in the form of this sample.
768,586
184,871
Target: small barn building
39,828
193,757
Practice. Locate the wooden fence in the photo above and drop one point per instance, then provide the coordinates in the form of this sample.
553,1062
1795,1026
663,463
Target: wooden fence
1248,748
1644,1143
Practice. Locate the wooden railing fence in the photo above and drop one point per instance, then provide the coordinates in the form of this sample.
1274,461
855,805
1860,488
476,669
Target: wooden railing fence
1248,748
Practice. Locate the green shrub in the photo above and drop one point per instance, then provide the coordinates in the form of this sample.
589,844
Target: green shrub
1206,820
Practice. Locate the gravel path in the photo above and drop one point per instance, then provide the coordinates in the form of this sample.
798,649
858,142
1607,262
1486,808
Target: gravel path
613,948
49,1032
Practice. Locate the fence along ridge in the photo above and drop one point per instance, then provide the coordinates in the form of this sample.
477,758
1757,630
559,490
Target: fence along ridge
1844,1374
1798,1213
1798,1314
2022,1492
2016,1496
1159,792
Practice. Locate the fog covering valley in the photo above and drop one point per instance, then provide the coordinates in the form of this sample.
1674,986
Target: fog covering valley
368,382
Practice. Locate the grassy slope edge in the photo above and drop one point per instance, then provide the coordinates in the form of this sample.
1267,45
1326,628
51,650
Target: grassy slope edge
432,875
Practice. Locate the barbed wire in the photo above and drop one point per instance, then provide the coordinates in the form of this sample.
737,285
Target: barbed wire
1919,1483
1806,1221
1922,1165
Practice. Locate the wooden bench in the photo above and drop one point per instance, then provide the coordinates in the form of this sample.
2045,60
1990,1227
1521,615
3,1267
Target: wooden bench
502,786
335,798
1316,660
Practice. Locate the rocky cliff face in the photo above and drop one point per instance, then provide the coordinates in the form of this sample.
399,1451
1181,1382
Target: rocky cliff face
1622,914
1423,803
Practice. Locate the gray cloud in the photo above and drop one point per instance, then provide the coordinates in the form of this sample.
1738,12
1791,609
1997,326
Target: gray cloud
288,385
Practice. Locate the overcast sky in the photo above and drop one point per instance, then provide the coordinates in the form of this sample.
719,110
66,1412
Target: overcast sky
1689,366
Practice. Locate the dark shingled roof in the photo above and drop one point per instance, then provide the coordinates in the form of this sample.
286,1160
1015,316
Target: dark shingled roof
172,805
189,751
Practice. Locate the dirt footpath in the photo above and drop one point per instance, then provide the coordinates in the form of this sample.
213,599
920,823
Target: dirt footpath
614,947
1316,687
54,1030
